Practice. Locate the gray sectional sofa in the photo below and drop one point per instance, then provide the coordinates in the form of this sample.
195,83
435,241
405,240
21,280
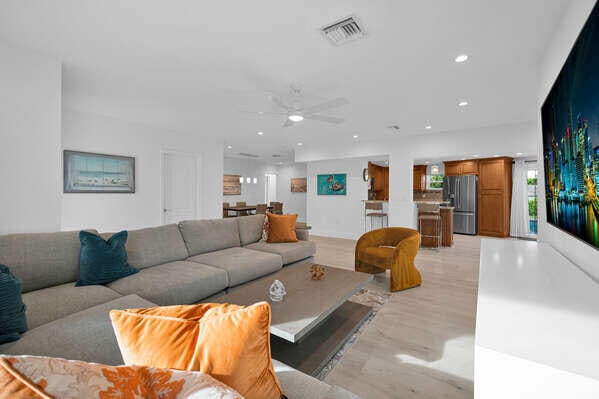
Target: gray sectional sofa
178,264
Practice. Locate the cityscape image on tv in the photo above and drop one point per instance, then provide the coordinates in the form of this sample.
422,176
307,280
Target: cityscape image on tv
570,118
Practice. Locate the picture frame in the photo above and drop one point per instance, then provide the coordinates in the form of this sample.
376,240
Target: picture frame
88,172
332,184
299,185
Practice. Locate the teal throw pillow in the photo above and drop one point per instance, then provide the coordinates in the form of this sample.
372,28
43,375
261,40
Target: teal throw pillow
103,261
12,309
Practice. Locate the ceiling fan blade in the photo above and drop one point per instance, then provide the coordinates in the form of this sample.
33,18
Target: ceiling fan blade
287,123
260,113
324,118
337,102
278,102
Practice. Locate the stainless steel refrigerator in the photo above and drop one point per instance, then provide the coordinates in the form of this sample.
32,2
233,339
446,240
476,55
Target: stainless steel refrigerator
461,192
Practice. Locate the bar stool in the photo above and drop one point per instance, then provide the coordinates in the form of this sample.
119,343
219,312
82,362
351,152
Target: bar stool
261,209
225,211
378,207
429,225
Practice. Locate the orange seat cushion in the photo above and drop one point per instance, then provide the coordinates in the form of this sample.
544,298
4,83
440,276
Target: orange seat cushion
377,256
281,228
229,342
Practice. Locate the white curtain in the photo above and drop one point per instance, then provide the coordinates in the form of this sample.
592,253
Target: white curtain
519,220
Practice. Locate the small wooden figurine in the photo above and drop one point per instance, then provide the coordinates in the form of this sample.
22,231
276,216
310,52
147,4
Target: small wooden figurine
317,272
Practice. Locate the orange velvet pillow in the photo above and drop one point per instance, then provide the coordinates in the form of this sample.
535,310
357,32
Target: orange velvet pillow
229,342
281,228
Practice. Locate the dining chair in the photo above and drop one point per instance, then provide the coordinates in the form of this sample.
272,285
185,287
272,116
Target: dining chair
261,209
277,208
241,213
225,212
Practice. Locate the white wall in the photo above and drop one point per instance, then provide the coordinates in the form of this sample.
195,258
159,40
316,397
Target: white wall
30,98
488,141
337,215
564,37
112,212
292,202
250,193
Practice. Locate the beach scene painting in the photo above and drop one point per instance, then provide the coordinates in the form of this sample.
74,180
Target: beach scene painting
98,173
333,184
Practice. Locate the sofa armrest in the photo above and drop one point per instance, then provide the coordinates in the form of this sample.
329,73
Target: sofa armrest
302,234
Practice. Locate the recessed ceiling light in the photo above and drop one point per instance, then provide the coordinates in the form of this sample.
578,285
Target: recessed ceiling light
280,163
428,127
300,144
260,133
229,147
295,118
461,58
355,136
519,154
463,103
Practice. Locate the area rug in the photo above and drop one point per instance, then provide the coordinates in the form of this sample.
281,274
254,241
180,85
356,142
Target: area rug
373,298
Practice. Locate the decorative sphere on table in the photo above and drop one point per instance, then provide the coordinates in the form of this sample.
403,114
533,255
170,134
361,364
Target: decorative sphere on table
277,291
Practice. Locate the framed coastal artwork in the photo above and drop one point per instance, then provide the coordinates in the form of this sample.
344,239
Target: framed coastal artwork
86,172
299,185
570,124
333,184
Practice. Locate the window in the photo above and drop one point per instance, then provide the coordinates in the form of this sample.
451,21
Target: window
436,181
532,175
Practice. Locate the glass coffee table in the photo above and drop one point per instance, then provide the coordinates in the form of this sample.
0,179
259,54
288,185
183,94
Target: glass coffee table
315,317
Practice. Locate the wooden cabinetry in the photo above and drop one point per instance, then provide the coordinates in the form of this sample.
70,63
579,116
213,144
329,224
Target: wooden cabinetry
494,196
494,191
380,176
419,177
457,168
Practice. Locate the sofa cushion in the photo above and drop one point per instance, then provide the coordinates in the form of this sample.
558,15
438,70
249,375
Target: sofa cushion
154,246
241,264
42,260
203,236
49,304
229,342
281,228
250,228
13,321
174,283
103,261
296,384
85,335
289,251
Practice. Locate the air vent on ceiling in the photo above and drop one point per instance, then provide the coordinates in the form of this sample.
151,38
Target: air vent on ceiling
245,154
344,30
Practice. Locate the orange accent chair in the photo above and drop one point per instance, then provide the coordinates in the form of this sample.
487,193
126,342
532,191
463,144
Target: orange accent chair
391,248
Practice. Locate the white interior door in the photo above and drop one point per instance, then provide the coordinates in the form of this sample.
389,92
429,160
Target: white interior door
270,187
180,186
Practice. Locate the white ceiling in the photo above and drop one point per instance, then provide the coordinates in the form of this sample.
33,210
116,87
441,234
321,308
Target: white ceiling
197,66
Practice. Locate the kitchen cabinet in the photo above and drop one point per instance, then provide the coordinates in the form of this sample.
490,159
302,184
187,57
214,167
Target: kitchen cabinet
459,168
494,196
494,191
419,177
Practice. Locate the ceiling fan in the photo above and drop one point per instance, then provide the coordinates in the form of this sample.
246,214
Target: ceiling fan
296,112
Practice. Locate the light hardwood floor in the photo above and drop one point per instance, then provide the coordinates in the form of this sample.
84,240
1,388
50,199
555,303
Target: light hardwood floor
421,343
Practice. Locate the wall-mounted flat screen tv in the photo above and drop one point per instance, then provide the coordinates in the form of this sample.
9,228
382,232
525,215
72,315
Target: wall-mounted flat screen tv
570,122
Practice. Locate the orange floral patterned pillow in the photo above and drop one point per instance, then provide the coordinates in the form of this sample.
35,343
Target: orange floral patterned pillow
45,377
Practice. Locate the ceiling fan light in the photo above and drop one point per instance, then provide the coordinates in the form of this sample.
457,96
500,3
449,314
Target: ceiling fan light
295,118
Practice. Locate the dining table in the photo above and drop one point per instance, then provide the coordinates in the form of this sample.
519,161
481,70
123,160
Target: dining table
242,208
